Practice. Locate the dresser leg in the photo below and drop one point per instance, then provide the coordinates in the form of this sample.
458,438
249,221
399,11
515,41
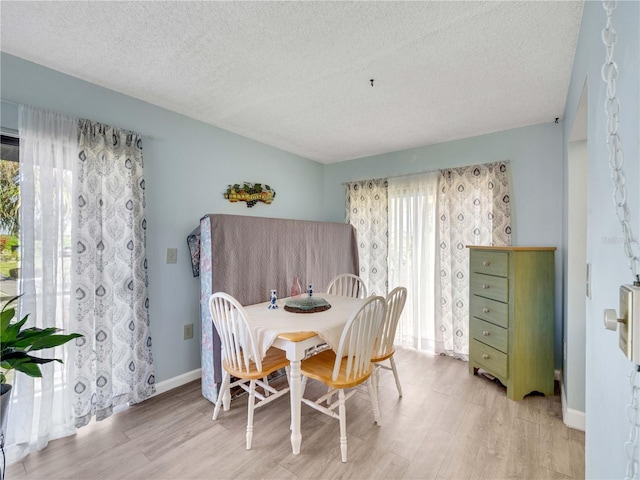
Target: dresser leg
473,370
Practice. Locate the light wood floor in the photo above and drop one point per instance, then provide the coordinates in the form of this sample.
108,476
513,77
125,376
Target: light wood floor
448,425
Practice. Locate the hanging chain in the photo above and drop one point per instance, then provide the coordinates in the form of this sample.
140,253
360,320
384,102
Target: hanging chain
631,247
616,158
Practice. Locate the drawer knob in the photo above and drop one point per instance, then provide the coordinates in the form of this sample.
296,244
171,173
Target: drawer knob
486,263
485,356
485,333
485,310
485,286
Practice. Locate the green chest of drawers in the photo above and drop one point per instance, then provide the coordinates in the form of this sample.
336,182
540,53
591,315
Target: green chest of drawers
511,317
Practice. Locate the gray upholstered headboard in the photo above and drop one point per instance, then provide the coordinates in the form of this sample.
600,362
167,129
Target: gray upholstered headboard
249,256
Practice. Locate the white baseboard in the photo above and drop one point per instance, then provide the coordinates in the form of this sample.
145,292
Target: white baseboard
572,418
178,381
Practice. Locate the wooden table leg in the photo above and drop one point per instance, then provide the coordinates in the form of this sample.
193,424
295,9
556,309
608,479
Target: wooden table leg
295,394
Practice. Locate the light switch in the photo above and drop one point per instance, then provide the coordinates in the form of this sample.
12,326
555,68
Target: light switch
628,323
172,255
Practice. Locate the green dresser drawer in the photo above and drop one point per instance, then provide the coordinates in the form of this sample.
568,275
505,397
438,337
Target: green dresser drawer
490,334
488,286
511,316
490,359
489,310
490,263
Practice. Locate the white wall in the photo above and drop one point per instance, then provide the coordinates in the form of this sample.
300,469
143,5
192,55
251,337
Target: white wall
607,370
188,165
575,285
535,155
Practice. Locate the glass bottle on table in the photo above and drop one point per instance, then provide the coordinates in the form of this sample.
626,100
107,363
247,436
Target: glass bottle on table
296,289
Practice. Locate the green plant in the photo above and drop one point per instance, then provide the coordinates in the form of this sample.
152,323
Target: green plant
17,343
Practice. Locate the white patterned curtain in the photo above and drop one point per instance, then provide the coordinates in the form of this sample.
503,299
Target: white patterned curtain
473,209
367,212
412,236
114,363
41,408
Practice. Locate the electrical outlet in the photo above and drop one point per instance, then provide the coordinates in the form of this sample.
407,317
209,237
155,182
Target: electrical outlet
172,255
188,331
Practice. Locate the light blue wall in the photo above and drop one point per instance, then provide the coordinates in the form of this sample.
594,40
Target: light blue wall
535,155
188,165
607,370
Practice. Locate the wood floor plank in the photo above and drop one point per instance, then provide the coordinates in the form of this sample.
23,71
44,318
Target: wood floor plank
463,447
495,437
448,425
492,463
432,452
278,473
576,452
554,436
169,435
404,435
524,445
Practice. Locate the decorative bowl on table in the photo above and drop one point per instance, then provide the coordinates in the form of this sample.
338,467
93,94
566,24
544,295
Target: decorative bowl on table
306,305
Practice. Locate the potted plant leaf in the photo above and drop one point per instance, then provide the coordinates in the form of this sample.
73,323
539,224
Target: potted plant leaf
16,346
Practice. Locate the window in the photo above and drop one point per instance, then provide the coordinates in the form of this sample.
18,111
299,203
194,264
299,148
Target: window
9,215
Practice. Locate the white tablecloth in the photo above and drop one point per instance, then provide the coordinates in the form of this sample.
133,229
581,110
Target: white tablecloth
268,324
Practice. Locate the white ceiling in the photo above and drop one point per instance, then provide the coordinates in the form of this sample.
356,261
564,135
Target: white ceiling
295,75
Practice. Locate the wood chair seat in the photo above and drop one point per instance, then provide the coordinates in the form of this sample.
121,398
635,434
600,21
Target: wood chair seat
384,357
275,359
320,367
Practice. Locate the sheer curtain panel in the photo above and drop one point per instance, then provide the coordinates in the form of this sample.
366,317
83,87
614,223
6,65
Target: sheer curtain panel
412,236
367,212
114,364
473,209
41,408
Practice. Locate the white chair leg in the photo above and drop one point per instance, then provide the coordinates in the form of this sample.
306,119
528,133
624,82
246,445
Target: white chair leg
395,374
343,425
251,406
266,382
329,398
373,396
376,376
224,388
226,395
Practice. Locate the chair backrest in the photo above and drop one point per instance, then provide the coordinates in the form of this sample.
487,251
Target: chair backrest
358,338
395,303
347,285
230,321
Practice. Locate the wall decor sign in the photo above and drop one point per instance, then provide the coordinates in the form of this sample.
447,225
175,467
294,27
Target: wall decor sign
251,193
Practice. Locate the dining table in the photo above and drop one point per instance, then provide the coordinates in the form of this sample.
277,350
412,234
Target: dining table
297,334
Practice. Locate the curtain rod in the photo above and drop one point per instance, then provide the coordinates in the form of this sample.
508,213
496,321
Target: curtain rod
150,137
421,172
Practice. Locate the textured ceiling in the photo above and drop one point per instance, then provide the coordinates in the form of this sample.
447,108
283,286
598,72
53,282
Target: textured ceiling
295,75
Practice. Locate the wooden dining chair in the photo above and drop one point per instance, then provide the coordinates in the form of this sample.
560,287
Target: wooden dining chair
241,360
349,366
384,347
347,285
